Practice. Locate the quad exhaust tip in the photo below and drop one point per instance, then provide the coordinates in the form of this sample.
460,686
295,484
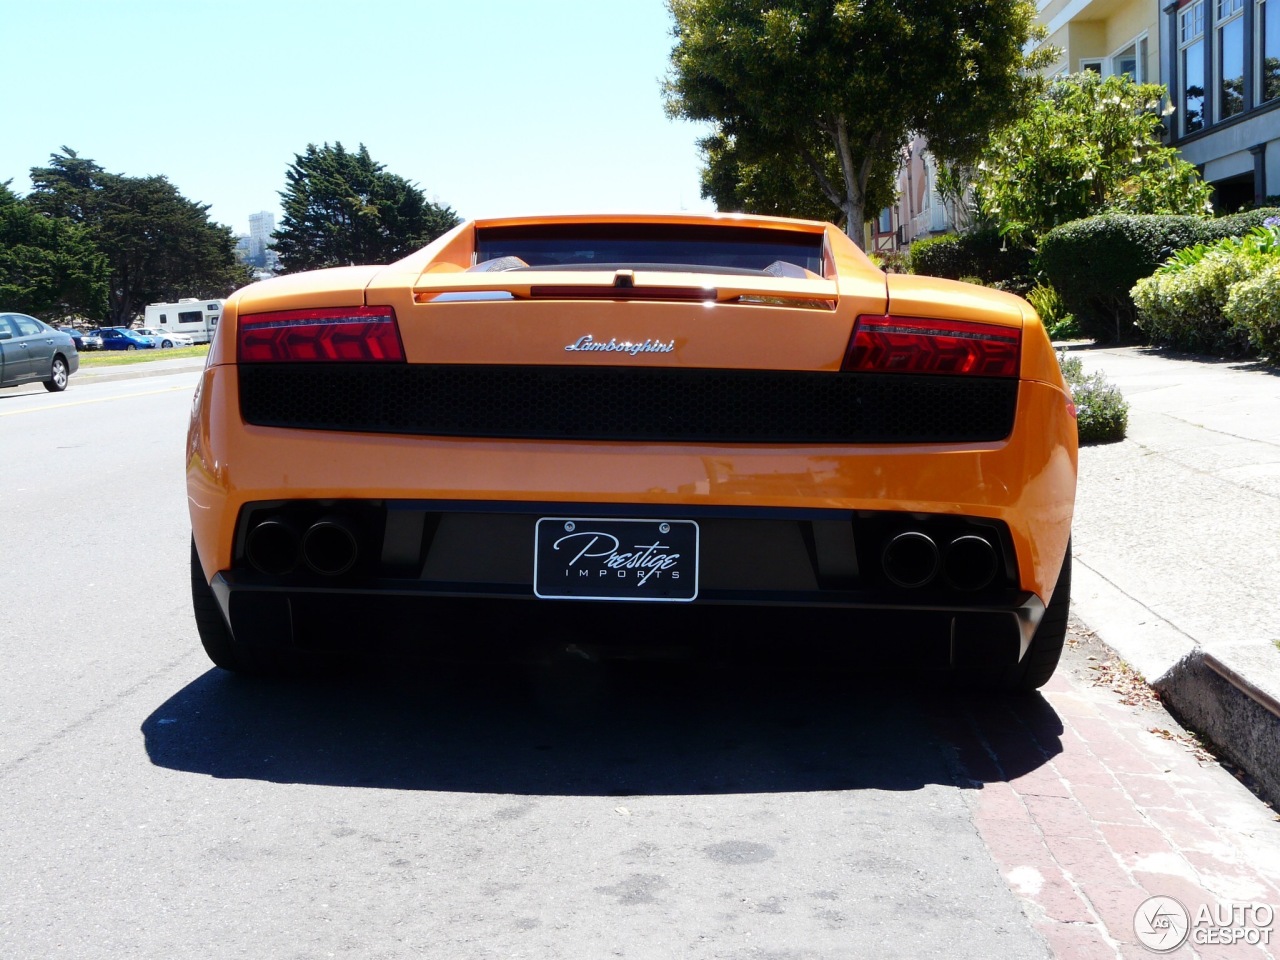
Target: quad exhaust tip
273,547
911,560
971,562
329,547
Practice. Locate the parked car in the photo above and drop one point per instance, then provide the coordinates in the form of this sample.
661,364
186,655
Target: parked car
31,351
118,338
626,429
83,340
164,339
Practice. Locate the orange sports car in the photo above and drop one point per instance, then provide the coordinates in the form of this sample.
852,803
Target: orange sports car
579,427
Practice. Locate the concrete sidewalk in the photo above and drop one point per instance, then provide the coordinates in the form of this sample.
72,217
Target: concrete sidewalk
1177,544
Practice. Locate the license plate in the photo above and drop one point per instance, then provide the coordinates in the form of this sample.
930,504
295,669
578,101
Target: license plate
590,559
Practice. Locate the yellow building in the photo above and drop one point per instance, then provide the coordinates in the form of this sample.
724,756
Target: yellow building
1107,36
1219,59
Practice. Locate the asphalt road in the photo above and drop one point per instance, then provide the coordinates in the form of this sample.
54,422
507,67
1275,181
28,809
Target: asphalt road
156,807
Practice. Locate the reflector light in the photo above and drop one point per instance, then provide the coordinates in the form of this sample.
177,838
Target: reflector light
327,335
917,345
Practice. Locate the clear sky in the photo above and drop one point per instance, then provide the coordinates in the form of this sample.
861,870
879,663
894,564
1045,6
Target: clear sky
491,107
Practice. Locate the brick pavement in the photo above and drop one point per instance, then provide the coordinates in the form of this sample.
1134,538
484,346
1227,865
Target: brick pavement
1091,805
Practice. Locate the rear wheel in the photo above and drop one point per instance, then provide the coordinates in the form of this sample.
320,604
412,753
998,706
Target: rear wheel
216,638
131,347
215,635
58,376
1041,659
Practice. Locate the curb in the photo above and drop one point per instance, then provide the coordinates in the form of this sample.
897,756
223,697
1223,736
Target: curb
1202,691
1240,720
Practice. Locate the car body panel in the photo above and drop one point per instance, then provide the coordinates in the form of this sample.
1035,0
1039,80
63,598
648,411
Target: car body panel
28,352
704,320
118,338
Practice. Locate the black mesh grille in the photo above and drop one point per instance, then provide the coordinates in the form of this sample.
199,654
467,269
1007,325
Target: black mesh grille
628,403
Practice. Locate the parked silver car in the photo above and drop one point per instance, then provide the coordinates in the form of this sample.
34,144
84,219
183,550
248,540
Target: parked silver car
34,351
163,338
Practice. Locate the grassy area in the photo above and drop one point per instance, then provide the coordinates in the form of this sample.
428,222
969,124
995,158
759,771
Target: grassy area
117,358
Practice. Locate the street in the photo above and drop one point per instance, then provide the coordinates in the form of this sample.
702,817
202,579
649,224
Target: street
157,807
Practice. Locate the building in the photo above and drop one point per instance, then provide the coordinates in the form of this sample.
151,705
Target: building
920,210
1221,62
1219,59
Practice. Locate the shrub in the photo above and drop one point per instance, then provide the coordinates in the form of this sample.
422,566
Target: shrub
1183,304
1183,308
1102,413
981,253
1254,304
1093,263
1058,323
1238,224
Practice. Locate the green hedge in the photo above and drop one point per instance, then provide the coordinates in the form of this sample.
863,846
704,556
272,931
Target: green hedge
983,255
1094,263
1184,303
1254,304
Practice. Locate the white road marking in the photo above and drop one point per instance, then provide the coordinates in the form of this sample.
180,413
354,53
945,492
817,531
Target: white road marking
79,403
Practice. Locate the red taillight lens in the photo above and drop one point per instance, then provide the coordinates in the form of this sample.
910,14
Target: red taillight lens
365,334
915,345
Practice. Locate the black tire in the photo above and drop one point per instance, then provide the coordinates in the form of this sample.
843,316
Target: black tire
131,347
215,635
59,376
167,343
1041,659
220,644
1046,646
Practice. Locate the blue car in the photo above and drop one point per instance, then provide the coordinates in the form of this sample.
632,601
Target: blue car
118,338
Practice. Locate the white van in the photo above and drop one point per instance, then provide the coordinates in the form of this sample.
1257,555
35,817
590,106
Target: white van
196,318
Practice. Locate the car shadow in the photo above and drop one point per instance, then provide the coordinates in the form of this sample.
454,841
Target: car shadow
601,729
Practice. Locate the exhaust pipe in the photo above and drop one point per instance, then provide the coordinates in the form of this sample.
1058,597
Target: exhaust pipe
971,562
272,548
329,547
910,560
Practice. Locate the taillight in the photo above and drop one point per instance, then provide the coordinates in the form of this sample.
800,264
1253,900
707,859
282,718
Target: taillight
366,334
917,345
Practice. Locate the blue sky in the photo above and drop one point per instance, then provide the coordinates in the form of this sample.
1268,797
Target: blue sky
492,107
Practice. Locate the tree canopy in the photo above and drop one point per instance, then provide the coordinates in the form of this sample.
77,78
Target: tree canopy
343,208
157,244
1088,146
822,94
48,266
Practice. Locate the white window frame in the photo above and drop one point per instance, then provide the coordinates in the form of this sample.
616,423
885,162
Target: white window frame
1228,12
1088,63
1260,49
1140,51
1191,30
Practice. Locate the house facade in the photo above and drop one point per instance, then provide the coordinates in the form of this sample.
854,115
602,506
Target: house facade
1219,59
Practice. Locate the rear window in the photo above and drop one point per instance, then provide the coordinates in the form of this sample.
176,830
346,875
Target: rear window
630,246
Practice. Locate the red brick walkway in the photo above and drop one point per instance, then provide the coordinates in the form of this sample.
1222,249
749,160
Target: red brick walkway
1089,809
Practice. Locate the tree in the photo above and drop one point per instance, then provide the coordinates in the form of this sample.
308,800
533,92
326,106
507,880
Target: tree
839,85
48,265
158,245
1088,146
343,208
782,184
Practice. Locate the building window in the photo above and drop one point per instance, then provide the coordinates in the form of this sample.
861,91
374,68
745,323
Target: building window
1268,29
1093,66
886,221
1191,64
1131,61
1230,62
